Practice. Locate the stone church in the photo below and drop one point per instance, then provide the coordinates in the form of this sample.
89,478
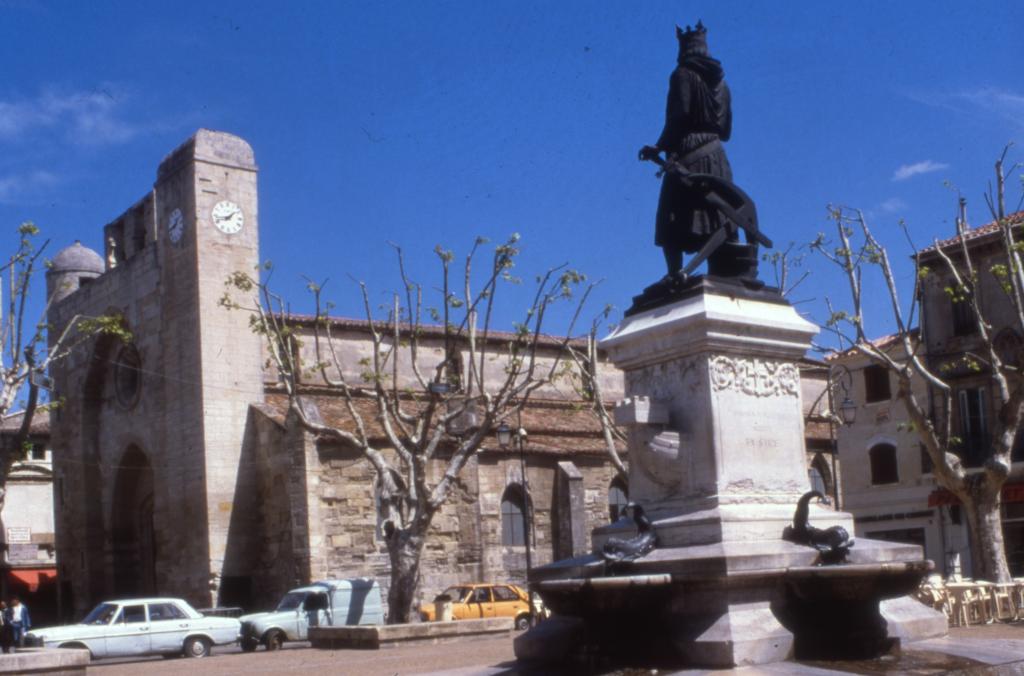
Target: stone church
177,468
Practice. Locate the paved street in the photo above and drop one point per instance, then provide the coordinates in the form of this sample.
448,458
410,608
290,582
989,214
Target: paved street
448,658
479,657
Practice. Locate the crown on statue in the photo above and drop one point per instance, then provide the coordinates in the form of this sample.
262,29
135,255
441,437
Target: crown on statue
693,40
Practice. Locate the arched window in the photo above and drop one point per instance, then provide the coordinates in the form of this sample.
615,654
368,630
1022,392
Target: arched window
820,475
817,481
513,521
128,376
618,496
883,464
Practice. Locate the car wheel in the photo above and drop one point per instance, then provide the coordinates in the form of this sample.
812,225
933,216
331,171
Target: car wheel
274,640
249,645
522,622
76,646
196,646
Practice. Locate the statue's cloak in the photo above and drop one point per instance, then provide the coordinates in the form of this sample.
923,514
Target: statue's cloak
698,117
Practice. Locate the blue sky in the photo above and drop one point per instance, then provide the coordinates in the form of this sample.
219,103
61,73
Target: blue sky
427,123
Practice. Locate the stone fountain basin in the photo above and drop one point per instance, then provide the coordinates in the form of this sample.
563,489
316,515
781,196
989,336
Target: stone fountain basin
781,571
688,594
643,593
856,582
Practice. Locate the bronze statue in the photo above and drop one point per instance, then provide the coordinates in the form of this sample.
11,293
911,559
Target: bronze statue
833,544
700,210
621,550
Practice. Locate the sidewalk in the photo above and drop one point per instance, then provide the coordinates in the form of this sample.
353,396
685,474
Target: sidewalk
998,646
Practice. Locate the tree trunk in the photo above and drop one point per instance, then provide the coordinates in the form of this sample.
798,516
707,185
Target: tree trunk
985,532
404,548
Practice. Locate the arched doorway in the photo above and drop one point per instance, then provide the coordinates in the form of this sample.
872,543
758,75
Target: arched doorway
618,498
514,508
133,536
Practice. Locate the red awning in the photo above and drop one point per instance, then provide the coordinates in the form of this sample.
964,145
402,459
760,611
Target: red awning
32,577
941,496
1013,493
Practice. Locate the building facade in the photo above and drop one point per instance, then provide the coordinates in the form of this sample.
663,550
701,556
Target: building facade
181,471
824,469
30,560
951,340
887,480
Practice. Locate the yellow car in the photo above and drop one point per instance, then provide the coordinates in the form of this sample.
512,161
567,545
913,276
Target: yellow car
473,601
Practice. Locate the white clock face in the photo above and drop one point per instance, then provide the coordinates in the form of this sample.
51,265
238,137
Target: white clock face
227,216
175,226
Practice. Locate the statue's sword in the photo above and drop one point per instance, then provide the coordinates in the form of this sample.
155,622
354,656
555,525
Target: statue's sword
734,205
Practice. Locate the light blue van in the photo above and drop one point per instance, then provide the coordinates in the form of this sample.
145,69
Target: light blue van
327,603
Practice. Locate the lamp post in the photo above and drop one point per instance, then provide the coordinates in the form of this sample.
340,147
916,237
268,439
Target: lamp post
504,433
847,414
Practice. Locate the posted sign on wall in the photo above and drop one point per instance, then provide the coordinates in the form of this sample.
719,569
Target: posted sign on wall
19,535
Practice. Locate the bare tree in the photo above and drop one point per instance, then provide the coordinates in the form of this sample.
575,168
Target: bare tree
25,355
434,426
582,372
784,262
857,253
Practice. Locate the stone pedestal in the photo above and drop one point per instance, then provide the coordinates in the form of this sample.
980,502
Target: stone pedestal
717,460
715,419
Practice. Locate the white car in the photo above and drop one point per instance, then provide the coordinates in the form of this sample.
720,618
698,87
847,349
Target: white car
159,626
327,603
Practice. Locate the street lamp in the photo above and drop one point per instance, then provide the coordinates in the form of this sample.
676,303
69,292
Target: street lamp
504,434
439,387
848,408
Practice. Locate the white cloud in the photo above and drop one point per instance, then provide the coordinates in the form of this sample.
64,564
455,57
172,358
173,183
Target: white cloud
908,170
86,117
19,187
892,205
1003,103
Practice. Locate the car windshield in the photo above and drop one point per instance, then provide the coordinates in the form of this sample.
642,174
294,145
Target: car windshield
101,614
291,601
456,593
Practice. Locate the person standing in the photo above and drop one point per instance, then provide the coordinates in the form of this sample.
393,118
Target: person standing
18,618
6,637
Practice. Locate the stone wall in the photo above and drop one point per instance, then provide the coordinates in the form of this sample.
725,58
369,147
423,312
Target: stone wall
352,346
464,544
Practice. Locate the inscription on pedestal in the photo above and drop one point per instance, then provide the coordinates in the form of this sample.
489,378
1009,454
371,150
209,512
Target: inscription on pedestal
759,431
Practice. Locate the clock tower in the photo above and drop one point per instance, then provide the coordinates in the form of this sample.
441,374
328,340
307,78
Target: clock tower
207,228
